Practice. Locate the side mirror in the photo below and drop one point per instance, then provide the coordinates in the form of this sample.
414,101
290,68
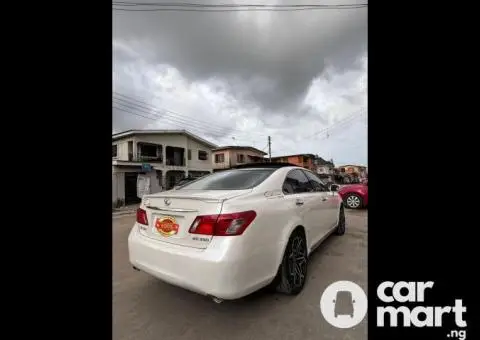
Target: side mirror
334,187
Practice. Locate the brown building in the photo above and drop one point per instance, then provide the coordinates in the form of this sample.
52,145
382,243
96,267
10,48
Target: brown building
227,156
304,160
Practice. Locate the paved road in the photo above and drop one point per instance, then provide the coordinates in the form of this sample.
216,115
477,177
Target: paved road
147,309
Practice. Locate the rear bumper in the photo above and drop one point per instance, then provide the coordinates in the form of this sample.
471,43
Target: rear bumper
217,271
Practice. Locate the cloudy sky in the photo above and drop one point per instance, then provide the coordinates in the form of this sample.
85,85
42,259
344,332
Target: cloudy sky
238,77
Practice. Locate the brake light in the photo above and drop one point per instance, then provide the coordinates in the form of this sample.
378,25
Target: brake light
223,224
142,216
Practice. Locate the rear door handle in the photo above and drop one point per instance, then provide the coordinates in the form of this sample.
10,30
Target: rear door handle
299,202
324,198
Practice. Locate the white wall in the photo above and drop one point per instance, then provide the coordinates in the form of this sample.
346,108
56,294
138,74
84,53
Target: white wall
118,186
222,165
324,170
231,157
122,149
175,140
195,163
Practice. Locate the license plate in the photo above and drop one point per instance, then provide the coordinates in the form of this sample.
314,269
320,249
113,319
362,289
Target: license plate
166,226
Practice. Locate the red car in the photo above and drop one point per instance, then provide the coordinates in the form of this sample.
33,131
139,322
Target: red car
355,196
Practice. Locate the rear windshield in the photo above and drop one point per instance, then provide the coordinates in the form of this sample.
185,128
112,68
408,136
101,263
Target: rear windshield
230,180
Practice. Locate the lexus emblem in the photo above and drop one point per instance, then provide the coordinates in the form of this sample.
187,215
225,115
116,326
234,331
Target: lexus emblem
167,202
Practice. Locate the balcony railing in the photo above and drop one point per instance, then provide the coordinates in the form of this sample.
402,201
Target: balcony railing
171,162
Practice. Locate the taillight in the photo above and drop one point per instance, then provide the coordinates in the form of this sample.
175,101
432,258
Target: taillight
142,216
223,225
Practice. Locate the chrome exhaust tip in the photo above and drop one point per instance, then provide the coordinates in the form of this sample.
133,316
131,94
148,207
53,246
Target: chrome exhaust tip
217,300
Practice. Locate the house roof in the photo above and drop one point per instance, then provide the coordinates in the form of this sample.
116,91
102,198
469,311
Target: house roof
300,154
347,165
322,161
239,147
124,134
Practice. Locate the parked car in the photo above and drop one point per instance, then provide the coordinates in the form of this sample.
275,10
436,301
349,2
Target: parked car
231,233
355,196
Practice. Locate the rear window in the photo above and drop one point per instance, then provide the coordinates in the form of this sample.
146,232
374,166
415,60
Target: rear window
230,180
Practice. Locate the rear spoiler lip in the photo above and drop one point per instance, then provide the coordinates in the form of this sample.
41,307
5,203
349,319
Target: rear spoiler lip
204,199
197,198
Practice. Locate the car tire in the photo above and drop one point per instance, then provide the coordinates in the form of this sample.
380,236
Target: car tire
292,273
353,201
341,226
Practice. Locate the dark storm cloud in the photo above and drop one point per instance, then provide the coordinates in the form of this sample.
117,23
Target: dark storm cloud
275,55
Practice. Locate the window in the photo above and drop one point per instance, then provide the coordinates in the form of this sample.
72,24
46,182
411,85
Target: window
148,150
202,155
299,159
189,154
219,158
114,151
240,158
316,182
237,179
296,182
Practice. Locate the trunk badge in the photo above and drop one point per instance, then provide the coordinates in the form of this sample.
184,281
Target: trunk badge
167,226
167,202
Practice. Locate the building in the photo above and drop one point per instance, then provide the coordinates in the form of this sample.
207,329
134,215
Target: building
323,167
304,160
163,157
360,170
227,156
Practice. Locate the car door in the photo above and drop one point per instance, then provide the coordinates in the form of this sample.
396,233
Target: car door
326,204
299,191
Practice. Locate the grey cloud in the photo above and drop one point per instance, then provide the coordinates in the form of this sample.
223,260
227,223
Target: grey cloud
274,55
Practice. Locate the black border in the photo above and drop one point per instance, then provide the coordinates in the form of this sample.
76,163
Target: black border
60,277
421,221
422,224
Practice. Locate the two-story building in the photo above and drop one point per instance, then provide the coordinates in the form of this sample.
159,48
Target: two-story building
323,167
359,170
304,160
227,156
163,156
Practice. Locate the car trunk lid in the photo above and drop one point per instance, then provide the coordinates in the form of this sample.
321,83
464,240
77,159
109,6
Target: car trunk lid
170,214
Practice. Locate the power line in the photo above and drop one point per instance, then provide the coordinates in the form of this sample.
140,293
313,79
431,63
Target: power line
207,10
339,123
169,114
195,7
126,107
134,110
201,127
192,4
165,115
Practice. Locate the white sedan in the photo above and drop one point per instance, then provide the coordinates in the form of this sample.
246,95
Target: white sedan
231,233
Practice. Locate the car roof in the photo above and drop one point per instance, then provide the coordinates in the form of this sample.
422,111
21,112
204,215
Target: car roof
274,165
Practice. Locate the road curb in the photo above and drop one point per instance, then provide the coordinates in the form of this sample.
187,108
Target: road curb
122,213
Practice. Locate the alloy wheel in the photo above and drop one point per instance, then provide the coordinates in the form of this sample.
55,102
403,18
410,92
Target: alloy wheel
353,201
297,262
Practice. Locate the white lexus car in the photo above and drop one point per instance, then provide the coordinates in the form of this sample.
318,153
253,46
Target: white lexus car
233,232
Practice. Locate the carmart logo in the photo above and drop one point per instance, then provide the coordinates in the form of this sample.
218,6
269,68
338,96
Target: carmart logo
344,305
419,316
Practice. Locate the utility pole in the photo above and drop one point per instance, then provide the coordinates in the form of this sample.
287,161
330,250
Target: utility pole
269,149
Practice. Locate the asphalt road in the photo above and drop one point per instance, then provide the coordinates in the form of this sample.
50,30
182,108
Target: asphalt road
145,308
